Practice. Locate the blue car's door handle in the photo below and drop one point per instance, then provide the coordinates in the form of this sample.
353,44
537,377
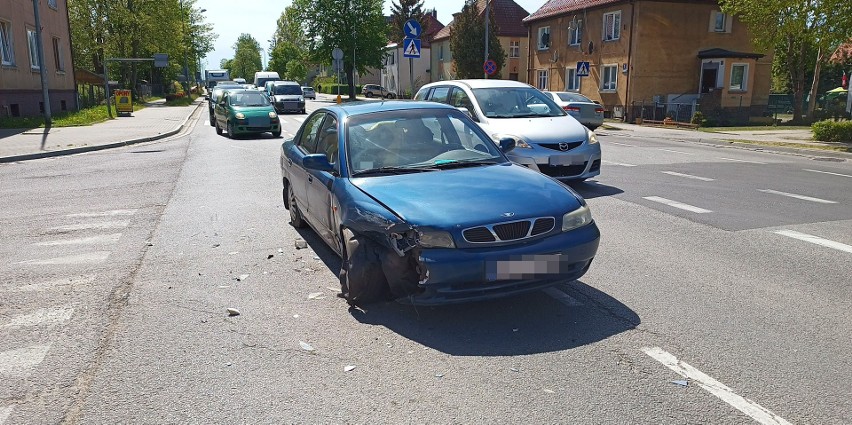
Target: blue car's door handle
310,179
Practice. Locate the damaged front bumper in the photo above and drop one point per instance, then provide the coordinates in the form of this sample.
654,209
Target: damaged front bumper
464,275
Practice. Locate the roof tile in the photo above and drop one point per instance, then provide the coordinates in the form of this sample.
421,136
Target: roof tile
558,7
508,15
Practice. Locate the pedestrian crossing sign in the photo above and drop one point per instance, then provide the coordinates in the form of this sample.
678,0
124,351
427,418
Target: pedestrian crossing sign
411,48
582,69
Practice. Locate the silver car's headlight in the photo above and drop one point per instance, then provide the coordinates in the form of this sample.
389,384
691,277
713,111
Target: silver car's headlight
577,218
436,239
593,138
519,142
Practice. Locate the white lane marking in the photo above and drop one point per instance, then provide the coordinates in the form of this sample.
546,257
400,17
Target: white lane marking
815,240
677,204
742,160
19,362
91,240
689,176
91,226
674,151
617,163
5,412
750,408
87,258
103,213
793,195
41,286
827,172
43,315
622,144
562,297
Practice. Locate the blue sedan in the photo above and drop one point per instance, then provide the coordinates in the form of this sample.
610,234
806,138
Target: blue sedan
423,207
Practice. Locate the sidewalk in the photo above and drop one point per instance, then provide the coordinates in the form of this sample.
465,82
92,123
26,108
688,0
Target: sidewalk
155,121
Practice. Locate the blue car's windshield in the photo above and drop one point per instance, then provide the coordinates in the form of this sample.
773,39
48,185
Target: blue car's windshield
415,138
248,98
516,102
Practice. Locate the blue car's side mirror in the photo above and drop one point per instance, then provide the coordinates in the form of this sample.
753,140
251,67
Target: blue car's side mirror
317,161
507,144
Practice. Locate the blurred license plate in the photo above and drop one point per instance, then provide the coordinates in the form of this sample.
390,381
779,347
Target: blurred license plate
526,267
567,160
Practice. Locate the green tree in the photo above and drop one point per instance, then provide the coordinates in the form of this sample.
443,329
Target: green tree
246,59
355,26
467,44
402,11
797,28
288,47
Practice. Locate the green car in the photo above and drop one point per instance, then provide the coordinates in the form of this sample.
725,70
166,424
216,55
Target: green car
246,112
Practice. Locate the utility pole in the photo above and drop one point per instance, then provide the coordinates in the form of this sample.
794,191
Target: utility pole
42,69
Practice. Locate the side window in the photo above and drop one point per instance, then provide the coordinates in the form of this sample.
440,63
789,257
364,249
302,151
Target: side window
328,138
439,94
308,137
422,95
459,99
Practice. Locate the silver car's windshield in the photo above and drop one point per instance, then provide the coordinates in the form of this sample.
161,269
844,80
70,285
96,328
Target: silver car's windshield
417,139
516,102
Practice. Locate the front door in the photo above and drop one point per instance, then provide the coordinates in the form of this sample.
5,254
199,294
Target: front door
708,79
321,183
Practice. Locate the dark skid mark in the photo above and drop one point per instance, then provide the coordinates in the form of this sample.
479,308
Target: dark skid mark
820,158
151,151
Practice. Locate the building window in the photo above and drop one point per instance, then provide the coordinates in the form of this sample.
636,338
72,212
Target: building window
33,46
514,49
720,22
612,26
441,53
572,81
739,77
542,79
609,78
576,35
57,55
51,3
7,56
543,38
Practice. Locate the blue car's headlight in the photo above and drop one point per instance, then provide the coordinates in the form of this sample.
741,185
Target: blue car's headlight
436,239
593,138
577,218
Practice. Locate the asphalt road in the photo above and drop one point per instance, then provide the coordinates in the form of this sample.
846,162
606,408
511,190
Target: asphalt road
722,269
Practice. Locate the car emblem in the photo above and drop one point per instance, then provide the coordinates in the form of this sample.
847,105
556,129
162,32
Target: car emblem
508,214
563,147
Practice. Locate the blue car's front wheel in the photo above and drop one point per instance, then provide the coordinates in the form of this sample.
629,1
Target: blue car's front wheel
361,277
295,215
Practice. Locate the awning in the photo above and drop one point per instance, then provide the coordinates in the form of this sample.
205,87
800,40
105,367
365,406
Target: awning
723,53
86,77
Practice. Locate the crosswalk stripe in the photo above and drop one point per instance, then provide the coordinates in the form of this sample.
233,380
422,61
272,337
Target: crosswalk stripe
91,240
86,258
676,204
19,362
92,226
103,213
41,286
41,316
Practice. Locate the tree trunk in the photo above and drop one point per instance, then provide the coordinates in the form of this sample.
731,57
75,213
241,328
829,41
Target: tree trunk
350,76
797,77
815,85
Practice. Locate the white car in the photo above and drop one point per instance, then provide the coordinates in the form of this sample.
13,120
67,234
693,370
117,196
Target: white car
582,108
547,138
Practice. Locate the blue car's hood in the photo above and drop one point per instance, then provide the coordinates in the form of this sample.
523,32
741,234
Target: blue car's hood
470,196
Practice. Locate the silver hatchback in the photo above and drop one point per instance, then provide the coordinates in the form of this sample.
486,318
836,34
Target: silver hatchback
580,107
547,138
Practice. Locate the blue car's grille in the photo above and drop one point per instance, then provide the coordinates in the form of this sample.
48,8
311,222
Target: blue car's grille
512,231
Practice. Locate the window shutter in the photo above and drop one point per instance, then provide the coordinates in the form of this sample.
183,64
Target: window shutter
729,21
712,27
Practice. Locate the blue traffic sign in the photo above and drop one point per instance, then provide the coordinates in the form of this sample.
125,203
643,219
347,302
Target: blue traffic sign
490,67
582,69
411,48
412,29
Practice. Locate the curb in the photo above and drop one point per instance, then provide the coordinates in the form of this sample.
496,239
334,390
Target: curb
83,149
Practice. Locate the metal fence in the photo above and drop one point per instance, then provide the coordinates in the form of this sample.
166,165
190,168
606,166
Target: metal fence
658,111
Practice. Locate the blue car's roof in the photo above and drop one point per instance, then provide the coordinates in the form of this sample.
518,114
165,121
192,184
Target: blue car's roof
367,107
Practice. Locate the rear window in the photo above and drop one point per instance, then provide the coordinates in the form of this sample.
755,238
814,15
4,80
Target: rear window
573,97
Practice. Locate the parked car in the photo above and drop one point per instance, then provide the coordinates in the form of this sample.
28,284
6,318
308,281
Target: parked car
375,90
215,95
287,96
389,187
580,107
246,112
309,92
548,139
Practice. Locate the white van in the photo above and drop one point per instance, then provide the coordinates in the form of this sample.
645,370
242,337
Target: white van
260,78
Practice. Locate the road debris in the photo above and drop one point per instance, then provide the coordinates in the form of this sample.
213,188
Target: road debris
514,369
233,252
439,375
349,368
316,257
332,289
305,346
269,257
549,391
233,312
682,383
280,250
315,296
242,277
301,244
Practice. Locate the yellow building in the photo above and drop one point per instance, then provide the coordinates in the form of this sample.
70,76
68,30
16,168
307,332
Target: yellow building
650,58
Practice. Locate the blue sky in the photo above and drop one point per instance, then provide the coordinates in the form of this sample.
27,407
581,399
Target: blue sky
258,17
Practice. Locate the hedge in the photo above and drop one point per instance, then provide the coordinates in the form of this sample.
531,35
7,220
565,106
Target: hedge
332,89
833,131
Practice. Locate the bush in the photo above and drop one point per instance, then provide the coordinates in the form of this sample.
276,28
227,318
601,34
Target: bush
833,131
698,118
